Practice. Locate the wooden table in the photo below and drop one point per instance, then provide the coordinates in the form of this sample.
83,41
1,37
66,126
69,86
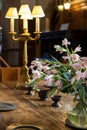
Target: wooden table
30,110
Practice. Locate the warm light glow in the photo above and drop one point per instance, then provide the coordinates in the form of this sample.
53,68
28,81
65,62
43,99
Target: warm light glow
25,24
25,12
37,12
12,13
37,24
11,25
67,5
26,16
60,7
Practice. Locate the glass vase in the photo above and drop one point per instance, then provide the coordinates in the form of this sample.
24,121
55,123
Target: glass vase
76,111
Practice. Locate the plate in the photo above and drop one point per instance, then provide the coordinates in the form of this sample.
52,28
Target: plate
23,127
74,126
7,106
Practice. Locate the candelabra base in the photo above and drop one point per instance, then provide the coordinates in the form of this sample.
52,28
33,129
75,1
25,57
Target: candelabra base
24,78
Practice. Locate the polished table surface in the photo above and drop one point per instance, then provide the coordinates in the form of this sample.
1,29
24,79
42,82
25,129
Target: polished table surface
30,110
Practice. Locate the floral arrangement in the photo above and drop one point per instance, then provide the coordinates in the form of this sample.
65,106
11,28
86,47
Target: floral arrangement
69,77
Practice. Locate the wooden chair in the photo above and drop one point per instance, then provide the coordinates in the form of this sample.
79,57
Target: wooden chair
4,62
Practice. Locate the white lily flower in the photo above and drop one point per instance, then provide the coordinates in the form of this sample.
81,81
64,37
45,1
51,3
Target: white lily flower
77,49
59,48
65,42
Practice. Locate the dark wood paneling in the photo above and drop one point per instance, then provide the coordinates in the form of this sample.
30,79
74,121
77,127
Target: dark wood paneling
76,17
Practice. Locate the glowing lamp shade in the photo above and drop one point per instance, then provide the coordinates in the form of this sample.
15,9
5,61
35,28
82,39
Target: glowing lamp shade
12,13
67,5
26,16
60,7
37,12
25,12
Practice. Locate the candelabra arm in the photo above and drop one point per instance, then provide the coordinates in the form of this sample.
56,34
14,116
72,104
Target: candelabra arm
12,34
34,39
16,39
25,36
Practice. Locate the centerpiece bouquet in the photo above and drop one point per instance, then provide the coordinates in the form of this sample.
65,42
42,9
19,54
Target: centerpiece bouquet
69,77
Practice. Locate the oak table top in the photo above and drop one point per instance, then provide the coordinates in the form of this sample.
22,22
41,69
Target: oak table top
30,110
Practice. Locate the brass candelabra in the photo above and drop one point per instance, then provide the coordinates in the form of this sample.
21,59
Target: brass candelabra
25,37
25,14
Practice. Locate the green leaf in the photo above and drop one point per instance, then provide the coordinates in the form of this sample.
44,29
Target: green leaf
80,88
81,92
65,88
67,75
34,81
53,90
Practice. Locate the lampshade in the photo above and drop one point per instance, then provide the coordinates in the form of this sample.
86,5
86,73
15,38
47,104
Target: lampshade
60,7
37,12
26,16
12,13
67,5
25,12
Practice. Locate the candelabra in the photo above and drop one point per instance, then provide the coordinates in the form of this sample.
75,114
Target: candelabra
25,14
